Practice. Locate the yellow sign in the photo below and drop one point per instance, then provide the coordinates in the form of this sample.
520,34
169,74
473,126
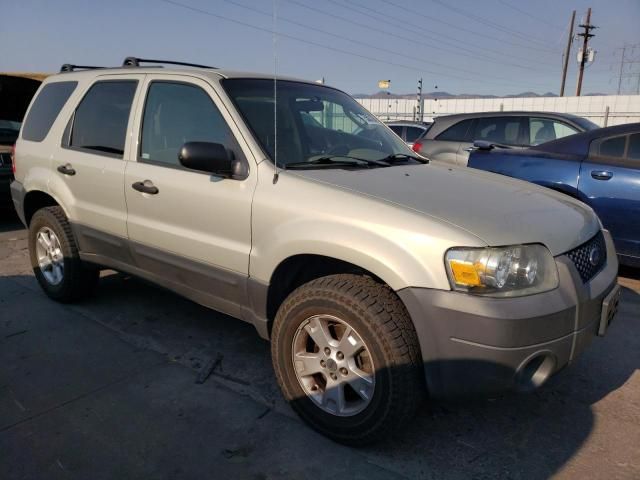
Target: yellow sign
384,84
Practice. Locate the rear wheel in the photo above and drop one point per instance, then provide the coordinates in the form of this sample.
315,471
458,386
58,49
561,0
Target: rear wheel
55,259
347,359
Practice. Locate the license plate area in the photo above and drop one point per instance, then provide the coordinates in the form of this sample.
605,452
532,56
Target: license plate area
609,309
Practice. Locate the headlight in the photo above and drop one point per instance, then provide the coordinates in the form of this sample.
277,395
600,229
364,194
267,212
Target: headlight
502,272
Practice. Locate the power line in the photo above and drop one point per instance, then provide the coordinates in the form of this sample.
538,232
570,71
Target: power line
309,42
458,27
471,54
494,25
545,21
358,42
383,17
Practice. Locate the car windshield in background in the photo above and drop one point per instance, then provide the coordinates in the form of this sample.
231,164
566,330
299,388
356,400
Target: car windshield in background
9,131
315,124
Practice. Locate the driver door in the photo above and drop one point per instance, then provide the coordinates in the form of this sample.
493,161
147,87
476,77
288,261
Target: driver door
194,230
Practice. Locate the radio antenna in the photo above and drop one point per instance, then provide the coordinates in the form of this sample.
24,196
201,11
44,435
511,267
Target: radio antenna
275,90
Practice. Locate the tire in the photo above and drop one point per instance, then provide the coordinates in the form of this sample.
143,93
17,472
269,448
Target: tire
395,387
78,280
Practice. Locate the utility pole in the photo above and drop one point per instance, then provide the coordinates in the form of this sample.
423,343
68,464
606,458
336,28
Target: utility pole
419,113
585,42
567,54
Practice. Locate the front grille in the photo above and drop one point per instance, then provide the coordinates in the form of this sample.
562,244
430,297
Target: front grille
590,257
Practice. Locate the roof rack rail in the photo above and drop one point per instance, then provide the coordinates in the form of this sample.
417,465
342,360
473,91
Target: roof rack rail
135,62
67,67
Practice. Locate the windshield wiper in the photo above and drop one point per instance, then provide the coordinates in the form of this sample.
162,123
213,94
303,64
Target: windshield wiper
403,156
338,161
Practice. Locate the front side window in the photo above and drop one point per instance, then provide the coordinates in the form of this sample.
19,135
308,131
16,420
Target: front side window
45,109
311,122
457,132
177,113
100,121
501,130
543,130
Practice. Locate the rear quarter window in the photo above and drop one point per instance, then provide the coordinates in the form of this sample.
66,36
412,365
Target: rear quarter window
45,109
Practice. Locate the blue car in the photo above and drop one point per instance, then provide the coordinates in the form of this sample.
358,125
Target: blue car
600,167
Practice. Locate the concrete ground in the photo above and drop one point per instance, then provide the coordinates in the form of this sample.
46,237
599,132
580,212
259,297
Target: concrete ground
106,389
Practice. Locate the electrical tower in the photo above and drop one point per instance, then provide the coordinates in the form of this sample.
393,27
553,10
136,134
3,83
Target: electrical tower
586,35
628,59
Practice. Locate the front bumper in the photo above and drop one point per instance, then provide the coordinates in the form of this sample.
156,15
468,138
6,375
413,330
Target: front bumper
479,345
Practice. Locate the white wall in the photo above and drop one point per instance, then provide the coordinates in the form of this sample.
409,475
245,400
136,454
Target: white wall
622,108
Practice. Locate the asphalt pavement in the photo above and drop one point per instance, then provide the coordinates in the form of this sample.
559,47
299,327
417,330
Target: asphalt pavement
108,389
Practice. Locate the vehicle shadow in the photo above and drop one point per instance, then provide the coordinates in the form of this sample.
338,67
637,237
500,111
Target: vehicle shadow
9,220
508,436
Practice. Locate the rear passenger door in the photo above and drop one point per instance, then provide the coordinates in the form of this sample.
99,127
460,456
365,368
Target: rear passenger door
91,163
609,180
194,231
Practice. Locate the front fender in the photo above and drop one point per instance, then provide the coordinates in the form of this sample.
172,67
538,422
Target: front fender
402,247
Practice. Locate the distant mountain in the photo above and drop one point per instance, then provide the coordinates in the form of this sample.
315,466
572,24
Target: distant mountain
447,95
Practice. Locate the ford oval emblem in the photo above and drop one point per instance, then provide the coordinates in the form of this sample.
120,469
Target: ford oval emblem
594,256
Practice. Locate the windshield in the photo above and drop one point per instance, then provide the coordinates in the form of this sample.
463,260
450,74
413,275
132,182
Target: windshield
313,123
9,131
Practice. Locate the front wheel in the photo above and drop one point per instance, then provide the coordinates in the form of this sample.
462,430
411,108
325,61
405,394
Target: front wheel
347,358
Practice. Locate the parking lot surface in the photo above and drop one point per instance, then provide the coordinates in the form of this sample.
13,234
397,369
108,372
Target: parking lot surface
107,389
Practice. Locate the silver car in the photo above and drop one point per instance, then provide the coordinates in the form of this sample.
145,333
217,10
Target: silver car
376,276
451,137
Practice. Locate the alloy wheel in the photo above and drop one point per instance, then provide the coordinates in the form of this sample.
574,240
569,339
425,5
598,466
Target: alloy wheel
50,256
333,365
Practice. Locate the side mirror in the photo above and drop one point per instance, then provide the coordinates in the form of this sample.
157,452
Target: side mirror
483,145
209,157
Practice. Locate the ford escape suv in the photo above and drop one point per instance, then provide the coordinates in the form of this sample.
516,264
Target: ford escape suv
376,275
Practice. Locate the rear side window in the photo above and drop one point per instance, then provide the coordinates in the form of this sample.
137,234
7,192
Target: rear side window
457,132
612,147
100,121
397,129
45,109
413,133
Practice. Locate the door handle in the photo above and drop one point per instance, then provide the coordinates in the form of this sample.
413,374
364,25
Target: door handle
67,170
146,187
601,174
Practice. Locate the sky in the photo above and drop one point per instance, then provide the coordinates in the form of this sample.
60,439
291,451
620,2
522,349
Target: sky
495,47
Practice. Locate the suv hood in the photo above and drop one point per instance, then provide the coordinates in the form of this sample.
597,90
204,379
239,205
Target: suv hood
497,209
